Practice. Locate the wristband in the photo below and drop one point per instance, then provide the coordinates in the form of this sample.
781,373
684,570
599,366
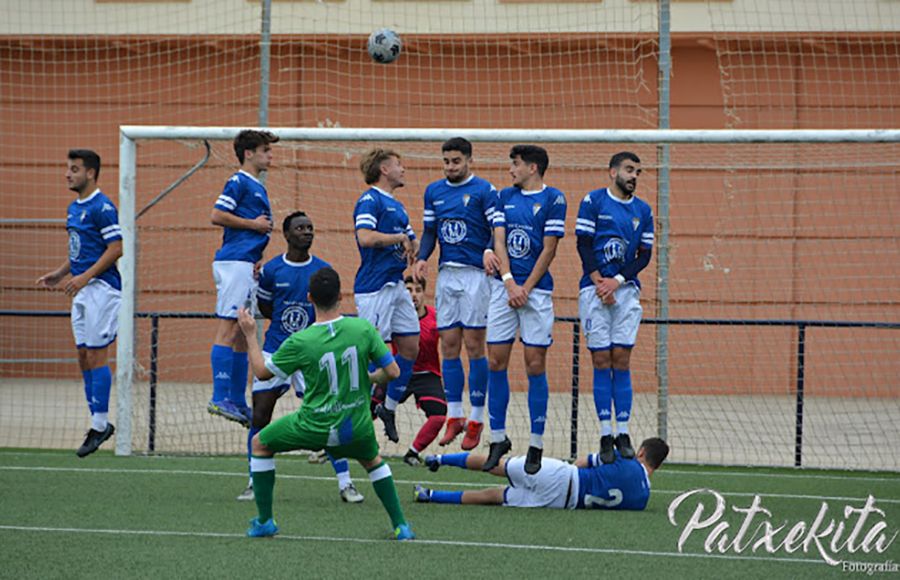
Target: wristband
620,278
507,276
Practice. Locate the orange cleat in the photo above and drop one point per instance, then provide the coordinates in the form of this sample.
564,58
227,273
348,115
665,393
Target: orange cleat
473,435
455,426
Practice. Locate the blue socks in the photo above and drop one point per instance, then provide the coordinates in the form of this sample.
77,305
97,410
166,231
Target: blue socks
397,387
603,388
538,395
238,387
454,380
446,496
222,361
478,380
498,399
88,389
622,395
455,459
101,383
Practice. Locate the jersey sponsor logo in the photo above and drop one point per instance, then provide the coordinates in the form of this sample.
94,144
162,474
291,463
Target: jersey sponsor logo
635,222
535,208
453,231
391,209
294,319
74,245
466,198
282,284
604,217
614,250
439,202
518,244
259,195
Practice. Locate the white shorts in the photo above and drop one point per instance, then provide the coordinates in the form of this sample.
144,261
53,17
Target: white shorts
95,315
296,380
534,321
608,326
462,297
235,287
390,310
554,486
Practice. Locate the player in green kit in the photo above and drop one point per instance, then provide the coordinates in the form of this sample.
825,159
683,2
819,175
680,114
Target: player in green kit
333,356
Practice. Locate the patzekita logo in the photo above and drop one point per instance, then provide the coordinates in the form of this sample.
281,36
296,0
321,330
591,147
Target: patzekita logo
833,534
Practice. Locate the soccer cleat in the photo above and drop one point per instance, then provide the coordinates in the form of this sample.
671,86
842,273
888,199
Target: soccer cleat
319,456
607,454
403,533
350,495
388,418
533,460
246,412
264,530
473,435
455,426
247,494
226,409
433,462
94,439
623,444
422,494
498,450
412,459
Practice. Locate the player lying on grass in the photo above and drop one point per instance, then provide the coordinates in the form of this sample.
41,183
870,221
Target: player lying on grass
589,483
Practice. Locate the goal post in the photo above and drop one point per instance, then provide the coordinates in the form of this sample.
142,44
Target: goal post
742,230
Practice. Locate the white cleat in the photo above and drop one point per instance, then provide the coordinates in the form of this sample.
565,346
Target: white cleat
350,495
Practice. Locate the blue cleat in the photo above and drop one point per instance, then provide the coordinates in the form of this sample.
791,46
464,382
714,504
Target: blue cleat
403,533
246,412
258,530
423,494
433,462
228,410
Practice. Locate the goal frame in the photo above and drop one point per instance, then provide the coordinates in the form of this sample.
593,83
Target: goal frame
129,135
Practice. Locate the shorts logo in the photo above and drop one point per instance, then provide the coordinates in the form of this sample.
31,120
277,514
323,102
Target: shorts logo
453,231
74,245
518,244
614,250
294,319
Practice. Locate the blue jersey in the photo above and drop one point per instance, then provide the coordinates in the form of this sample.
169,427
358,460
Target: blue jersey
618,228
92,224
379,211
284,285
459,213
245,197
528,217
621,485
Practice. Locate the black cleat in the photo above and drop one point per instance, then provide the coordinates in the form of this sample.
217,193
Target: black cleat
498,450
533,460
623,444
94,439
607,454
412,459
388,418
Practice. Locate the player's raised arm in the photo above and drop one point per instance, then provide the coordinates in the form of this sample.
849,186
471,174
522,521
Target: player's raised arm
254,352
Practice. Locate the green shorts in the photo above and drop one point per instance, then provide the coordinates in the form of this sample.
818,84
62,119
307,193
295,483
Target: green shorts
290,432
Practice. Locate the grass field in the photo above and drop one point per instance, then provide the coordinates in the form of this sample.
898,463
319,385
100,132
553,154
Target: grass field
176,517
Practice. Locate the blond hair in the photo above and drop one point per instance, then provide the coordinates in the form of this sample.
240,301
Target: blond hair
370,164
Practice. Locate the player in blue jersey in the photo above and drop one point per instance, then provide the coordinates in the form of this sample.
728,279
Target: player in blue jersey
95,243
615,240
457,216
588,484
244,213
387,246
528,220
282,297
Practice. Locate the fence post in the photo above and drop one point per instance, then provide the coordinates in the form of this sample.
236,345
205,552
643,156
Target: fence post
801,361
154,377
576,346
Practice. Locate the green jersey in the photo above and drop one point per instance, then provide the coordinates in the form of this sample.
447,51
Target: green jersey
332,359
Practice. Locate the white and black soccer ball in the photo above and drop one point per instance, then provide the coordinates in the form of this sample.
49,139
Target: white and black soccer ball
384,45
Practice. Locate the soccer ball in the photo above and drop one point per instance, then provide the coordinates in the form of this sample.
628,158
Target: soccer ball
384,45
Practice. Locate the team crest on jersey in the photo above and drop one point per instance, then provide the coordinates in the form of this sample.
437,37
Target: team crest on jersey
294,319
535,208
518,244
614,250
635,222
74,245
453,231
399,252
466,198
83,215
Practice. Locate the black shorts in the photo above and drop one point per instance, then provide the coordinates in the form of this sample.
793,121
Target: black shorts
425,385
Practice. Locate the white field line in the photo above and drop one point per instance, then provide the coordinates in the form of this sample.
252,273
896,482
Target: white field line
527,547
440,484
